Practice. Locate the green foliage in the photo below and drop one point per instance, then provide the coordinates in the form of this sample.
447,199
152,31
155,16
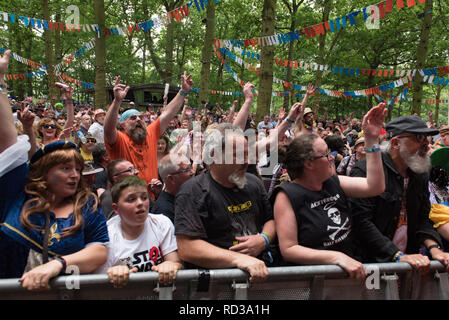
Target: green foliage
393,46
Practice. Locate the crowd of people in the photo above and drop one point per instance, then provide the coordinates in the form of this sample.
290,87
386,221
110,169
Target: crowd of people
122,190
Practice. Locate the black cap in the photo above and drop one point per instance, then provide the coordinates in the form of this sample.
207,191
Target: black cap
411,124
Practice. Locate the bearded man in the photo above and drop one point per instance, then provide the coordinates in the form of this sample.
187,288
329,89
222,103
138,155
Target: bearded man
223,218
395,226
137,143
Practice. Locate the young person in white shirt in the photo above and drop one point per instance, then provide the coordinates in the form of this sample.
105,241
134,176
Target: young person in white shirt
139,241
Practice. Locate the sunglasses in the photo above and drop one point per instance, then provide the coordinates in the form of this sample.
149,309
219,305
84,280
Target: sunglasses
93,140
134,117
48,126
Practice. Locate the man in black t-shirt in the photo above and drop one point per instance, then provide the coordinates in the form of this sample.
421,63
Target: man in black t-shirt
222,217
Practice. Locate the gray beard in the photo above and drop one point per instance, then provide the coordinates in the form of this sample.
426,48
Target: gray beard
138,135
415,162
240,182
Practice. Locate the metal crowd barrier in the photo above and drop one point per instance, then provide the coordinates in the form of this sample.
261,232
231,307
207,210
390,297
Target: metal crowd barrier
385,281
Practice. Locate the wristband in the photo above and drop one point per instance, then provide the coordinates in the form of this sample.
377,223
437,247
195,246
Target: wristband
433,246
67,101
266,238
289,121
183,93
375,148
64,264
398,256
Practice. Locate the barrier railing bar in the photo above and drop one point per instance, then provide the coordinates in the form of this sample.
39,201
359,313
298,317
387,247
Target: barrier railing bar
241,290
223,275
443,285
317,288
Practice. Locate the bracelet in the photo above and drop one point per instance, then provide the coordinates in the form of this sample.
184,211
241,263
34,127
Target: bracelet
375,148
433,246
3,89
183,93
64,264
398,256
266,238
289,121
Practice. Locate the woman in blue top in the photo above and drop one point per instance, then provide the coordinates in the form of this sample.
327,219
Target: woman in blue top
46,211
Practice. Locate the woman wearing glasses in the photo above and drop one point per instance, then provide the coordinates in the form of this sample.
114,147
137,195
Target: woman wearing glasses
311,212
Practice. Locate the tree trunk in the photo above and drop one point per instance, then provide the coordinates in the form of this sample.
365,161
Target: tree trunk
100,57
421,56
53,93
437,106
207,53
266,58
288,76
321,49
169,53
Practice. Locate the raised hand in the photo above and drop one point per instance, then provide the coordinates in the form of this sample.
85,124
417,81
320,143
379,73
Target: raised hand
373,121
310,89
4,62
66,89
120,90
296,111
282,114
248,91
187,82
26,117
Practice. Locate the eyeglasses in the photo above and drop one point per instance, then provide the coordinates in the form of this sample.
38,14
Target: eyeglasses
134,117
185,170
419,137
48,126
93,140
129,170
327,155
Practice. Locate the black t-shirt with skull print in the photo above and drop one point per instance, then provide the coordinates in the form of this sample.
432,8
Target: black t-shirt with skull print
323,217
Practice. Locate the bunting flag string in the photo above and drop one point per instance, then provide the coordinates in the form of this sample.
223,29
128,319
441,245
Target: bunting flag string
386,73
21,76
176,14
23,60
78,53
41,74
371,14
333,93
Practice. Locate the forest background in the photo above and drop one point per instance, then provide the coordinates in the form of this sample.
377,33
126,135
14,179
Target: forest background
408,38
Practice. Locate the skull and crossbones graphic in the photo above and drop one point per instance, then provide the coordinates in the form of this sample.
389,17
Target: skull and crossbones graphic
334,215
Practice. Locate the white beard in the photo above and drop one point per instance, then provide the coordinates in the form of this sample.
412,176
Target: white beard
240,182
416,163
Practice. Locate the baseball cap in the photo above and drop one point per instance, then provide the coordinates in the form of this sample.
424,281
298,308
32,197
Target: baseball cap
444,129
411,124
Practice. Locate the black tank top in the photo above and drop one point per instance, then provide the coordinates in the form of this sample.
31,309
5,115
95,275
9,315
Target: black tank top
323,217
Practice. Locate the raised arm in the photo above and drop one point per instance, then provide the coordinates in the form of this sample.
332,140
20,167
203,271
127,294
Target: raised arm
374,183
243,114
276,134
176,103
26,117
8,132
67,93
110,121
